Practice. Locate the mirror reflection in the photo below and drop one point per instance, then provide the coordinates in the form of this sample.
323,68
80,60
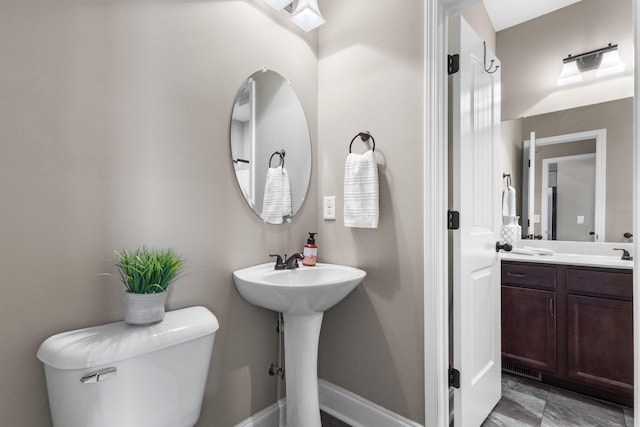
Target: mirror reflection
583,179
270,146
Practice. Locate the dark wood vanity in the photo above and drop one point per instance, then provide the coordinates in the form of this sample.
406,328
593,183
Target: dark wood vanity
572,324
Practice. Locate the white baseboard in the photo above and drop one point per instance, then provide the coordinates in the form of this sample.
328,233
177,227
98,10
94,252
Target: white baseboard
357,411
268,417
340,403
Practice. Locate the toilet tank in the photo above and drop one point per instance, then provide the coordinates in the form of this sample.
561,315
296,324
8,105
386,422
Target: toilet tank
121,375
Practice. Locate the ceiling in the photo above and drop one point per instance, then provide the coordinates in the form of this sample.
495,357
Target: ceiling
507,13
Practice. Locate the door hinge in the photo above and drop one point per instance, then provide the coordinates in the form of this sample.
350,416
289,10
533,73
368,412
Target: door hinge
453,220
453,64
529,163
454,378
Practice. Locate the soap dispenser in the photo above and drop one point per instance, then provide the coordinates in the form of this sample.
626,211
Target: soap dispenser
310,251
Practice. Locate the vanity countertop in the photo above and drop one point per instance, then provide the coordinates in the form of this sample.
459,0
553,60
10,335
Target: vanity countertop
604,261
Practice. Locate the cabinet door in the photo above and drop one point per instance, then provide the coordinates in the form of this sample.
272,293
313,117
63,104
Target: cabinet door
529,327
600,342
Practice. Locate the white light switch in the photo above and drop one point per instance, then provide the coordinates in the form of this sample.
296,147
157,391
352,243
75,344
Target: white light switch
580,219
536,219
329,211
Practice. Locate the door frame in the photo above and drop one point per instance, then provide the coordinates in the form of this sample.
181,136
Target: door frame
600,135
435,160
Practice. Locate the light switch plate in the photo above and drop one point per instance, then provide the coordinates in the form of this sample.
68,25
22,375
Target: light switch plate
536,219
329,208
580,219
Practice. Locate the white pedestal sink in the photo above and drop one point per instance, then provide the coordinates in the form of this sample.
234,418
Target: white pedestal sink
302,295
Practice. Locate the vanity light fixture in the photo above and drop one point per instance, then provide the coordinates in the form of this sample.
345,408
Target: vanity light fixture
611,64
606,60
306,15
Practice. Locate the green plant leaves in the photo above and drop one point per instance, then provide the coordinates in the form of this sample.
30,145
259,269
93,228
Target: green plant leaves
147,271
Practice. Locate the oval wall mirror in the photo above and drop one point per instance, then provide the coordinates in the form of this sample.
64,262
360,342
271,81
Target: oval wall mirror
269,130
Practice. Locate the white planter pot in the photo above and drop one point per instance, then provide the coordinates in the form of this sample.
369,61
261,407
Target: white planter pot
143,309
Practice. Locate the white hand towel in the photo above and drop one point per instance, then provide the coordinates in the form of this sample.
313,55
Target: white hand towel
361,191
286,197
277,196
509,202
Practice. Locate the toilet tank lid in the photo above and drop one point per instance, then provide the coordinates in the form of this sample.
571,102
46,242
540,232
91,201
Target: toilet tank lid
113,342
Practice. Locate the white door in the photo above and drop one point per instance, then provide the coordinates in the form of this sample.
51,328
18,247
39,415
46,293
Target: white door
476,188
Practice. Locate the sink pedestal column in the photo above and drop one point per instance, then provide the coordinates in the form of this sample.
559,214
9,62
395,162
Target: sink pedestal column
301,335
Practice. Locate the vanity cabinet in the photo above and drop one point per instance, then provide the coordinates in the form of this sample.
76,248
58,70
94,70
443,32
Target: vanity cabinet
528,316
572,324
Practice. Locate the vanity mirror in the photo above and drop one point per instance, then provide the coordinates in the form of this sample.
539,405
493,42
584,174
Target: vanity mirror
582,173
268,129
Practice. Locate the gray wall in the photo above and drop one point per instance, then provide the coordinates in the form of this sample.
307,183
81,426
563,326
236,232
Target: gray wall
371,78
115,124
575,198
114,118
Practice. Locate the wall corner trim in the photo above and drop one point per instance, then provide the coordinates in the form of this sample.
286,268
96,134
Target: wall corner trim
342,404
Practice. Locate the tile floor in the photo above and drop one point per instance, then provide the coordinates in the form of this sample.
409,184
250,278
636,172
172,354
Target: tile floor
330,421
527,403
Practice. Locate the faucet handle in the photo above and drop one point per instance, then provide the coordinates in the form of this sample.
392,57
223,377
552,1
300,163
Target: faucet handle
625,254
280,265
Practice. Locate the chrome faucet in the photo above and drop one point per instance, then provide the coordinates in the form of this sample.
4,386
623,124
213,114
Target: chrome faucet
625,254
292,261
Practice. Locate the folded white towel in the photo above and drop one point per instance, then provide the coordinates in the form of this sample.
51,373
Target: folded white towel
540,251
277,196
361,191
509,203
523,251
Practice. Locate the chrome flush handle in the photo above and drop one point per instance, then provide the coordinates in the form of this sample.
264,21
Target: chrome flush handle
101,375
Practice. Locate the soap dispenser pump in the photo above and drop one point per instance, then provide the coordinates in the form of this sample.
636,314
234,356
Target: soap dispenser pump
310,251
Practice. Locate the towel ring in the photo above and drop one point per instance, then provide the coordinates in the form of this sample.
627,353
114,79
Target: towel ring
364,136
280,153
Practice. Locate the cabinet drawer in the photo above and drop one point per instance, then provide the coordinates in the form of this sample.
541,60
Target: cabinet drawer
533,276
600,283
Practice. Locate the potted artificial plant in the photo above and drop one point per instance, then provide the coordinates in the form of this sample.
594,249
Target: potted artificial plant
146,274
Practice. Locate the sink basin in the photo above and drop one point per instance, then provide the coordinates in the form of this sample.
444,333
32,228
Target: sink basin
303,290
302,295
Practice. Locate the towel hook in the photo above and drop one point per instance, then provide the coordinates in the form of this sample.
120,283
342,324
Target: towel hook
364,136
488,69
508,176
280,153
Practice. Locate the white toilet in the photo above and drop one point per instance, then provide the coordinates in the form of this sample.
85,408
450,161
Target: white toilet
120,375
